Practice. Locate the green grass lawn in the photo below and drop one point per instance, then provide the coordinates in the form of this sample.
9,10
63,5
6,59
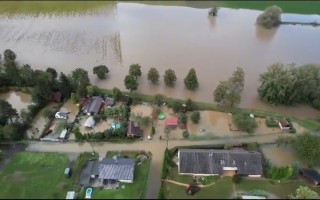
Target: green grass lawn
133,190
281,190
35,175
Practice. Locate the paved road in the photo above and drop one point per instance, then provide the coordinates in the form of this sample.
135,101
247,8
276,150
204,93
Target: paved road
156,147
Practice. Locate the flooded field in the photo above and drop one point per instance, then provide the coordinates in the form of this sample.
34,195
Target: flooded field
120,34
280,156
18,100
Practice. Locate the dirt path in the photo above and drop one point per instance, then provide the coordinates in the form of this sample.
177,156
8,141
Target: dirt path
156,147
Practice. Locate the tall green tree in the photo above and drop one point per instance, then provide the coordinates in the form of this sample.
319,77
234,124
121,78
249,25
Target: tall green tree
6,112
244,122
228,92
153,75
159,99
101,71
9,55
308,147
65,85
304,192
116,93
170,77
42,91
135,70
271,17
53,72
80,80
191,80
131,83
26,75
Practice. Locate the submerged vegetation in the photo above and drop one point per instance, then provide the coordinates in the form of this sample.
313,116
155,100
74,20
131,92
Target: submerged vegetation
271,17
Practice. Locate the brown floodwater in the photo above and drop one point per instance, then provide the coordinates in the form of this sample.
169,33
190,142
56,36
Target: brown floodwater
164,37
18,100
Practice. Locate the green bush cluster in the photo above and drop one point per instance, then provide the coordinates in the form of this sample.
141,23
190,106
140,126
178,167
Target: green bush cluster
271,122
279,173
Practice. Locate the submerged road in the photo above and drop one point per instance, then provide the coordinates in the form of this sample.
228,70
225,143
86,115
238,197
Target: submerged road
156,147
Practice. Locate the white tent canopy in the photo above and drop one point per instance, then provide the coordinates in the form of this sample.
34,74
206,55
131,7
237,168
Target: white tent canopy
89,123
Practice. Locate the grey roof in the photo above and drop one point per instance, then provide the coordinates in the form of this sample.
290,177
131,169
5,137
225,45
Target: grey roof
93,105
119,169
310,174
109,101
91,167
212,161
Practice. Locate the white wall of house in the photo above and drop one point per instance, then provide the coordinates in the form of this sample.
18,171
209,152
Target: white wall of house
230,168
191,174
255,176
126,181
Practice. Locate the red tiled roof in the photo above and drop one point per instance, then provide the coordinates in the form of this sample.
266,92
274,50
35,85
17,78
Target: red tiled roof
171,121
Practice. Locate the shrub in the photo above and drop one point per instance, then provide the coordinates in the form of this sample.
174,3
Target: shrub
236,179
244,122
74,99
185,134
195,117
97,118
175,105
183,118
192,189
316,103
78,135
153,130
270,122
271,17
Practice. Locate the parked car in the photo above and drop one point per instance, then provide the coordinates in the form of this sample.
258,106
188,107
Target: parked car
61,115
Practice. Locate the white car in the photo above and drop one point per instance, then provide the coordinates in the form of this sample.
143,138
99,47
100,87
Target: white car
61,115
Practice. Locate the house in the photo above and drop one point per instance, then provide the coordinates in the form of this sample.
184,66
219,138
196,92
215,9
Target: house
109,101
171,122
284,125
213,162
134,130
106,170
92,105
89,123
119,169
89,171
56,96
311,175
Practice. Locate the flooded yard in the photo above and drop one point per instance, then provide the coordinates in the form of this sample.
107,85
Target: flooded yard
280,156
122,33
18,100
71,109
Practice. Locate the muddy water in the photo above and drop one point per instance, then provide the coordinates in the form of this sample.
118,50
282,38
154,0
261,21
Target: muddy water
182,38
280,156
18,100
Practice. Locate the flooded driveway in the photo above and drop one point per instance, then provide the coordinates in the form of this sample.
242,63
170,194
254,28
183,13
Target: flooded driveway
182,38
18,100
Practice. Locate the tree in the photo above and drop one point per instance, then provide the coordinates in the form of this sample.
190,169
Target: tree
92,90
308,147
65,85
159,99
213,11
6,112
190,105
244,122
80,80
175,105
170,77
41,94
9,55
228,92
304,192
101,71
26,75
53,72
131,83
185,134
116,93
191,80
153,75
271,17
153,130
195,117
236,178
11,71
135,70
183,118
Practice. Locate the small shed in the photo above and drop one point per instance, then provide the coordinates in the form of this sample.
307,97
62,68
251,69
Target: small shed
284,125
71,195
171,122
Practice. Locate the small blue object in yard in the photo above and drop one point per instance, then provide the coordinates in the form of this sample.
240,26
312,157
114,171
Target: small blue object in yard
115,125
88,193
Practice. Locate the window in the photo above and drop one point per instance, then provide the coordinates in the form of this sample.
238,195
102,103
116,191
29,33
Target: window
222,162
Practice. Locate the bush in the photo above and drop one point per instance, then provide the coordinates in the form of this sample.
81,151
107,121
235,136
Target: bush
185,134
271,17
244,122
74,99
195,117
316,104
292,130
78,135
175,105
192,189
153,130
270,122
236,179
278,173
183,118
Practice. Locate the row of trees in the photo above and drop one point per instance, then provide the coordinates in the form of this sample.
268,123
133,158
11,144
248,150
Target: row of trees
169,77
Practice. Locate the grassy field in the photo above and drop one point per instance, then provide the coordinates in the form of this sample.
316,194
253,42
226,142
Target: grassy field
35,175
133,190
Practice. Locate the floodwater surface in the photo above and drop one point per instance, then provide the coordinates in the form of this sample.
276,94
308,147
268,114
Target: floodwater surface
163,37
18,100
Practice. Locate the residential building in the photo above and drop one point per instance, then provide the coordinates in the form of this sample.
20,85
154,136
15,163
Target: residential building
134,130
